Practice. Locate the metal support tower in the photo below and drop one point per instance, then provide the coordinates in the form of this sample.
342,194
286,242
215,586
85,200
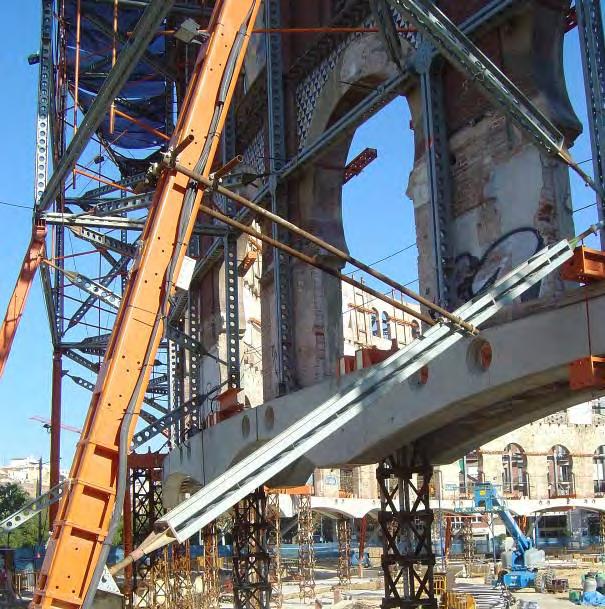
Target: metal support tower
343,529
232,311
55,430
142,507
468,544
439,532
210,568
279,200
52,94
306,552
406,520
274,547
45,91
592,43
181,594
192,329
159,580
170,581
232,328
251,586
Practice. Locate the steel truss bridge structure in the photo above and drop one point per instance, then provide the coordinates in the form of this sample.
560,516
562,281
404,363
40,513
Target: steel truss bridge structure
136,121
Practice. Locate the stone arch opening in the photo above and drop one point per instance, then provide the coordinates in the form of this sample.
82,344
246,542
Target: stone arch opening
560,472
322,207
378,216
599,471
515,480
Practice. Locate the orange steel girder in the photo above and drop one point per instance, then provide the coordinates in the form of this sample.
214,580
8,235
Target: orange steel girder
85,512
16,305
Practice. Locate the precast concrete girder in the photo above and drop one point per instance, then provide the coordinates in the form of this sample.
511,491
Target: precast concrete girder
461,405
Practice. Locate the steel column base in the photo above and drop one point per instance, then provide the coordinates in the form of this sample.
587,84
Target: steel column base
406,521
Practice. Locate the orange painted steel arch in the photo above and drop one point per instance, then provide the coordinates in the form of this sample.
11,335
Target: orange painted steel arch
85,512
16,305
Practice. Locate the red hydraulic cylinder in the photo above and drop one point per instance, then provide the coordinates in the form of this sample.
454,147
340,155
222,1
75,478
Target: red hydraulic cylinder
16,304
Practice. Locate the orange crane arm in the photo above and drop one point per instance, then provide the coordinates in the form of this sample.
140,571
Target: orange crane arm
16,304
84,515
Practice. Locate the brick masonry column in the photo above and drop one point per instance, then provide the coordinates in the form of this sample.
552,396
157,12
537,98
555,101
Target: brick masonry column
509,199
537,468
583,469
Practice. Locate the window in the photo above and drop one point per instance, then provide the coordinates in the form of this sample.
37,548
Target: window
471,472
386,326
374,323
598,406
415,329
514,471
599,470
560,472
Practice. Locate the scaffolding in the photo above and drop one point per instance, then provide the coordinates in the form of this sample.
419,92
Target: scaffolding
142,507
602,534
182,591
251,558
306,551
440,533
274,547
210,568
171,582
406,521
468,544
343,529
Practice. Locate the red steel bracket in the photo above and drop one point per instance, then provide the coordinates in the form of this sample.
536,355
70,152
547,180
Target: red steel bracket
587,373
585,266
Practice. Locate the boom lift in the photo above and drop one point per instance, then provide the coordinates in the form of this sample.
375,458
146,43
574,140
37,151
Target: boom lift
519,565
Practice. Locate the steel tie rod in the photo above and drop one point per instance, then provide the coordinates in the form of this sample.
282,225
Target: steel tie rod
196,177
313,261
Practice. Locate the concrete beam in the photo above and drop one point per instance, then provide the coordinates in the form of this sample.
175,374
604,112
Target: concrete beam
461,406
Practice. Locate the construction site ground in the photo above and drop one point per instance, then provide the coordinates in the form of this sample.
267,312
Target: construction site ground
367,591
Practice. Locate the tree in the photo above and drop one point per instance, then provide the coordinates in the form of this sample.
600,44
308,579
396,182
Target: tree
13,497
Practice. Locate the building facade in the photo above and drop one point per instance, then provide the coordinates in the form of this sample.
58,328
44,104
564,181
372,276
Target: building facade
26,472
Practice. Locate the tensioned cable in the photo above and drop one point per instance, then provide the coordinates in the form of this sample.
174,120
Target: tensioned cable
372,264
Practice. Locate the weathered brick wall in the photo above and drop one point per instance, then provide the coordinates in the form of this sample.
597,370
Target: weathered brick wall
508,198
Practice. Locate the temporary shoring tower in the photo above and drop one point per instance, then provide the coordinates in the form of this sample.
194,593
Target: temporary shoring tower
113,80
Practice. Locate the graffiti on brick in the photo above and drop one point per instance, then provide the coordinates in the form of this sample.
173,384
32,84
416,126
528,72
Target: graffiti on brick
474,275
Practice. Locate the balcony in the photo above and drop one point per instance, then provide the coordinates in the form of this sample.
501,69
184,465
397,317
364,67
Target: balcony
516,490
599,488
562,488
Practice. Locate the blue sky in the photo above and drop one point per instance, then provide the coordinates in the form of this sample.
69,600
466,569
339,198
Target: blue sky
378,221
